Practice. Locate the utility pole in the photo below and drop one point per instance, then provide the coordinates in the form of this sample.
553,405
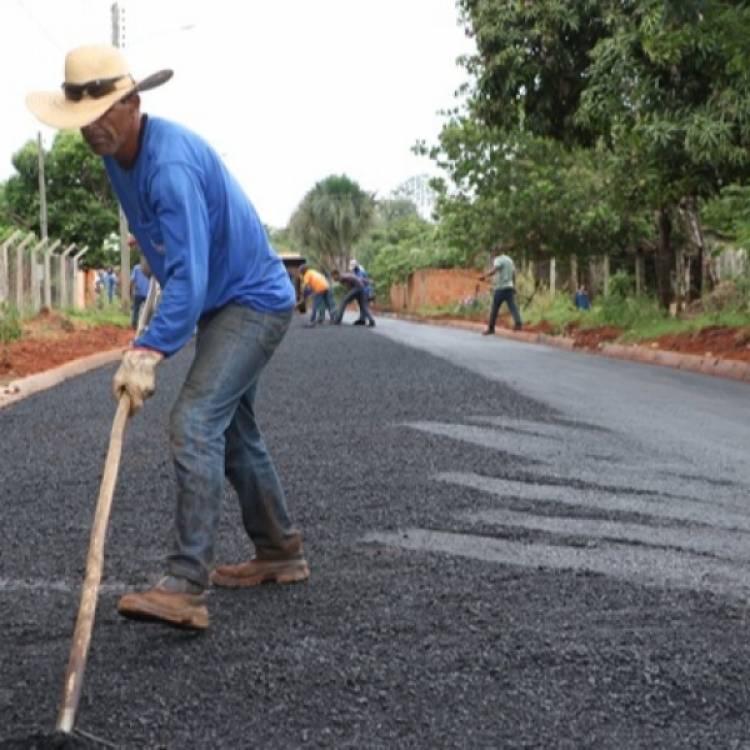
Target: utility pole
118,40
42,187
35,268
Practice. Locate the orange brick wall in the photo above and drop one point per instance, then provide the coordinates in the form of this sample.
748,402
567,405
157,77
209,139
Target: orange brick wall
435,287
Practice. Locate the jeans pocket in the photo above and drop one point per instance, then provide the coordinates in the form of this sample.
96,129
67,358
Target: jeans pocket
274,327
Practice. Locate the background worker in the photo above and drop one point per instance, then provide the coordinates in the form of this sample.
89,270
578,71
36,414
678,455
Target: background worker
209,251
360,272
110,284
582,301
356,292
504,272
139,282
315,283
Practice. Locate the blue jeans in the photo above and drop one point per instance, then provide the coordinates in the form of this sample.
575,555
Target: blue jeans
213,434
136,310
507,296
322,302
361,298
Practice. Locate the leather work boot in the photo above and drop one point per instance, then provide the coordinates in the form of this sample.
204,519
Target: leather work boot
173,601
262,568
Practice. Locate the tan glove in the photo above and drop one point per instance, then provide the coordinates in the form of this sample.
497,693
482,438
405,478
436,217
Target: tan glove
136,376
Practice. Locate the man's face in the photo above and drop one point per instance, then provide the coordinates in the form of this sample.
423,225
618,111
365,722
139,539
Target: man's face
107,135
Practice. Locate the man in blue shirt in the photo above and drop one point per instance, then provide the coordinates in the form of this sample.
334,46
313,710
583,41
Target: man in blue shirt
110,284
139,284
210,253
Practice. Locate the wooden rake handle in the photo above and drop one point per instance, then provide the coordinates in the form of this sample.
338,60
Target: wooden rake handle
94,564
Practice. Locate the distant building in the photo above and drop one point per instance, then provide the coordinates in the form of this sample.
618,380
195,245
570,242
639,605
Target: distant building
418,191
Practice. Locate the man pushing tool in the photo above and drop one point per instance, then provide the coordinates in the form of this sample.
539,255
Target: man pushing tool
209,251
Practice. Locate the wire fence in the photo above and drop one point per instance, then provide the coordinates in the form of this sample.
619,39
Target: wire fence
36,273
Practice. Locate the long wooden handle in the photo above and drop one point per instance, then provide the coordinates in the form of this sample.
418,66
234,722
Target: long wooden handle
94,564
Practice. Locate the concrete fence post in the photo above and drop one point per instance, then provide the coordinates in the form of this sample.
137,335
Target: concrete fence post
76,258
552,276
36,295
66,300
606,275
4,266
31,237
48,273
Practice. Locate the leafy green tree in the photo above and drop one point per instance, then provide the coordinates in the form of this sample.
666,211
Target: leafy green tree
669,87
728,214
81,207
390,209
401,243
529,69
653,94
530,193
332,216
281,240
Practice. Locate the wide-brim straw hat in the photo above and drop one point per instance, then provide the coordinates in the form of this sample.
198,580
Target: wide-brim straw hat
96,77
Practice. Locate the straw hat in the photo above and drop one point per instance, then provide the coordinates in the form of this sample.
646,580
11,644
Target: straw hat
96,77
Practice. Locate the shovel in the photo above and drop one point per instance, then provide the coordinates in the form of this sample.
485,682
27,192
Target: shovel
95,560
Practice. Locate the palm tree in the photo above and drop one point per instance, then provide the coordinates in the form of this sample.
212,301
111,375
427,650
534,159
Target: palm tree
332,216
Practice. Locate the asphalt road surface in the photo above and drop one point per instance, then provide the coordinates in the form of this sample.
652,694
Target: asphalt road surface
511,547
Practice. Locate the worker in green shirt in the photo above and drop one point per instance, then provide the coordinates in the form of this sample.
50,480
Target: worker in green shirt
504,271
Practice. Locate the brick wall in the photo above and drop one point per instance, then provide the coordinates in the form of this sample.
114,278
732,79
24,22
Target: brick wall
435,287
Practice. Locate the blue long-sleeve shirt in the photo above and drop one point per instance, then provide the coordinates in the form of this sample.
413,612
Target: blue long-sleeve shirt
199,232
140,281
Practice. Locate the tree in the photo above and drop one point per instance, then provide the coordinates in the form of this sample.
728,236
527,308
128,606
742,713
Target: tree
531,193
331,217
669,86
401,242
530,68
80,203
654,94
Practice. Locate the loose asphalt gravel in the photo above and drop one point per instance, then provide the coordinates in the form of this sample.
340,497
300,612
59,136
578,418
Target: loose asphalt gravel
468,586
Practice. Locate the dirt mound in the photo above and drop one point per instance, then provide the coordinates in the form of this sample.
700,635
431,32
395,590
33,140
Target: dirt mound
594,338
50,340
27,356
718,341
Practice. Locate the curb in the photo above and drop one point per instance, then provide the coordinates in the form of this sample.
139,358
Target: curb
19,389
705,365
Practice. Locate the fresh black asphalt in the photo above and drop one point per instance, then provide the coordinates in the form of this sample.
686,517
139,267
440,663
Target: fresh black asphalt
391,644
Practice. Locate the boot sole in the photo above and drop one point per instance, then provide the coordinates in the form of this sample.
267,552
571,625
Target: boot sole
294,575
146,612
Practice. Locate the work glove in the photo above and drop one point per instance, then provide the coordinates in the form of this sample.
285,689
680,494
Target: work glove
136,376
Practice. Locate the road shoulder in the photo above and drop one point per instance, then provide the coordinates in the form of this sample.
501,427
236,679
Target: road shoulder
21,388
706,365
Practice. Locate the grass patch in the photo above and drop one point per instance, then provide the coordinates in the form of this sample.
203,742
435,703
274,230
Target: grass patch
97,316
668,326
10,324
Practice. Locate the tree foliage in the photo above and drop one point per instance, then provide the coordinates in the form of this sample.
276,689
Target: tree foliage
530,193
400,242
81,207
331,217
585,118
529,69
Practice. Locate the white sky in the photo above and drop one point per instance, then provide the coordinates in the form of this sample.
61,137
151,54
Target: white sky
289,91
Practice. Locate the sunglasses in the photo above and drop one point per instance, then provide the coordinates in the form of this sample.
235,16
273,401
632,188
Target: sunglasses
96,89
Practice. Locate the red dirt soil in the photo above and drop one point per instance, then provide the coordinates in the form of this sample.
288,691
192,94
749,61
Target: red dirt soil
50,340
717,341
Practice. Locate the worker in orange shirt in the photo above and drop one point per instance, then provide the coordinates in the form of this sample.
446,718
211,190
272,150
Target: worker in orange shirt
315,283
